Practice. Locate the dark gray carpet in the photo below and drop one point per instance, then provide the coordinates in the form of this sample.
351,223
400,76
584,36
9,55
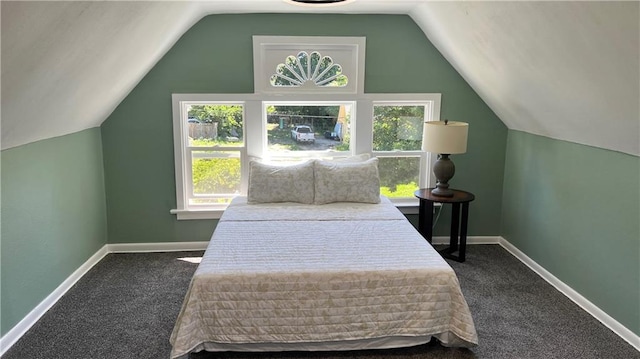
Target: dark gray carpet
126,305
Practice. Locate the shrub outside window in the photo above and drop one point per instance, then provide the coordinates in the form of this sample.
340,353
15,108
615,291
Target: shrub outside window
397,141
212,148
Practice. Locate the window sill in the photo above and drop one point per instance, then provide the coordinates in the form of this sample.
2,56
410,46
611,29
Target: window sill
412,206
409,206
194,214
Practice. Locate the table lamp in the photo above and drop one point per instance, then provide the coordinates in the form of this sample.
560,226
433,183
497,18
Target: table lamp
445,138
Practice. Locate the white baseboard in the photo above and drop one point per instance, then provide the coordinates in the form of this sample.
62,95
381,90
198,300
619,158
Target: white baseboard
622,331
12,336
157,247
470,240
28,321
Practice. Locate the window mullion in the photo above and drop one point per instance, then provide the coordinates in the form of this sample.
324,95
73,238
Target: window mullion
362,127
188,174
254,117
397,153
255,129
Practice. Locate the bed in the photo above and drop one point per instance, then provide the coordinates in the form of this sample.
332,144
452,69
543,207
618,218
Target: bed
308,276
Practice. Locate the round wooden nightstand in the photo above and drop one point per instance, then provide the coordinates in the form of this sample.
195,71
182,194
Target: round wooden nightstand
458,234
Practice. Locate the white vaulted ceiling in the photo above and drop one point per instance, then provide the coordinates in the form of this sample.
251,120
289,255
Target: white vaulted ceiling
565,70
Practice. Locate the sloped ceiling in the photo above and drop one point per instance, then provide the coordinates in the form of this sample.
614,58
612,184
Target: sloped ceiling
566,70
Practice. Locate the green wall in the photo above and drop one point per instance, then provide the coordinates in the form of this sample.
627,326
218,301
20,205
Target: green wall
215,56
574,210
571,208
53,217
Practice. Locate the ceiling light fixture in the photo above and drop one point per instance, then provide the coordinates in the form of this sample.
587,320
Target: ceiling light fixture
318,2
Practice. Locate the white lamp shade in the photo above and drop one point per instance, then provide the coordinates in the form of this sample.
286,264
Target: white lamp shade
446,137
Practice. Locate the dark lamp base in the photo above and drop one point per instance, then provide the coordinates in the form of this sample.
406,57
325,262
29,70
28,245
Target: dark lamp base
442,192
443,169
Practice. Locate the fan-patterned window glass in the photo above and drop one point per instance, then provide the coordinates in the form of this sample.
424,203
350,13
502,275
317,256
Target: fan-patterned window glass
306,70
308,65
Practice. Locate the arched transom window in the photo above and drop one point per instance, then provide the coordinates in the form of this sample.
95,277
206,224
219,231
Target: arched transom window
308,64
306,69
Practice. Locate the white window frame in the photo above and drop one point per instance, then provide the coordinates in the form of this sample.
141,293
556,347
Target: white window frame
255,137
182,153
304,155
268,52
431,102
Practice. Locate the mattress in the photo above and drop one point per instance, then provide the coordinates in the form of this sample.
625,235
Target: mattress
319,277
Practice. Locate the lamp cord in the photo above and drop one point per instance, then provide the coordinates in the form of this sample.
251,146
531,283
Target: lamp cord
435,221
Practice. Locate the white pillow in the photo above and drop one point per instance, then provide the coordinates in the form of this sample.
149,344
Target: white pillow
270,183
347,182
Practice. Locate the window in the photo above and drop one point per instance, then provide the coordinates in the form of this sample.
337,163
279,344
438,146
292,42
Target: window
325,114
308,64
210,137
302,130
397,142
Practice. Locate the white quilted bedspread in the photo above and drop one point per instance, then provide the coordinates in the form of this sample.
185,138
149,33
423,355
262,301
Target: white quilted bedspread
330,279
342,211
